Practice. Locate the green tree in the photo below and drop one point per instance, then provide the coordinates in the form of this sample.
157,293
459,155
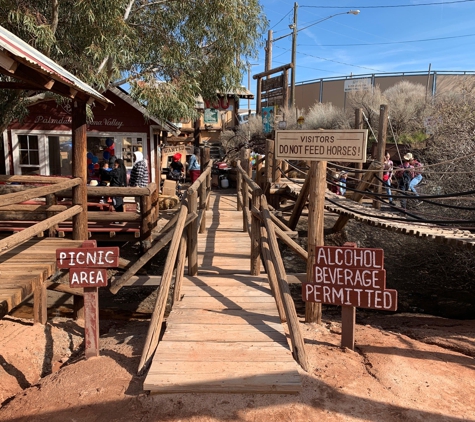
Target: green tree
169,51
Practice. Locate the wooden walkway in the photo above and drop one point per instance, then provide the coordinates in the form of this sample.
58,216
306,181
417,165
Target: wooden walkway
225,334
25,269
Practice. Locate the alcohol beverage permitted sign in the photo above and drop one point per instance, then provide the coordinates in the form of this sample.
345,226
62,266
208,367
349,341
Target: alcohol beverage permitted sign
348,145
350,276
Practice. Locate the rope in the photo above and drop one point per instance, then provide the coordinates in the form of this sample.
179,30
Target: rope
395,139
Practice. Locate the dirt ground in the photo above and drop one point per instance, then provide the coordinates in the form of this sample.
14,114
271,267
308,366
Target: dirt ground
407,366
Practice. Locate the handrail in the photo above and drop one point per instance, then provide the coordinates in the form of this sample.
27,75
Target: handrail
31,179
22,196
251,183
195,186
20,237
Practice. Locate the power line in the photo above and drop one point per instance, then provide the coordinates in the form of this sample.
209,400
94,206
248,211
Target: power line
392,6
387,43
287,14
334,61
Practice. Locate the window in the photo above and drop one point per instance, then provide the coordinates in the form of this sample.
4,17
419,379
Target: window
29,154
129,146
60,155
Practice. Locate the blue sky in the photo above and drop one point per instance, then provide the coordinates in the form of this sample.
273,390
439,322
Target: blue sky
398,36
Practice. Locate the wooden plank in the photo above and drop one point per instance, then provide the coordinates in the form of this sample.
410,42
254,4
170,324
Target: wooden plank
178,351
225,316
277,383
227,292
243,368
230,333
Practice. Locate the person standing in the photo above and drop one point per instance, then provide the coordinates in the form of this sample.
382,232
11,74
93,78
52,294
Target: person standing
388,175
342,182
416,176
139,175
118,178
404,177
194,166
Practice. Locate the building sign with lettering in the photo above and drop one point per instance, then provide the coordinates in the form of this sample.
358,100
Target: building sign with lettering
350,276
362,84
322,145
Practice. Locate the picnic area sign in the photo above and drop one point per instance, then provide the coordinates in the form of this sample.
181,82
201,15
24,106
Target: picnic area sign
352,278
88,269
322,145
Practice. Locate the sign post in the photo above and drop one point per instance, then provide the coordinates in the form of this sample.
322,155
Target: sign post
319,146
88,269
350,277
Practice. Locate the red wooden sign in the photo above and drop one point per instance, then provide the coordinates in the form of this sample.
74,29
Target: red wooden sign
87,257
350,276
86,277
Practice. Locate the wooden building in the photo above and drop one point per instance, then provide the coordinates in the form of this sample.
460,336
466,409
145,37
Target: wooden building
41,142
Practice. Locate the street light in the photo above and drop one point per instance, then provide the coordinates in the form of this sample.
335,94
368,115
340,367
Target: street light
294,45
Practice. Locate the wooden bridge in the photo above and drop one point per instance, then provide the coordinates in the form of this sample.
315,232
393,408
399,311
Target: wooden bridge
225,334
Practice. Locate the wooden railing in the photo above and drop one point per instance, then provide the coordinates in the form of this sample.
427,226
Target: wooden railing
58,187
181,232
11,203
263,229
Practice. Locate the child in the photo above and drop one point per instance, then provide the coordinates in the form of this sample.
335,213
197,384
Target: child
342,181
105,174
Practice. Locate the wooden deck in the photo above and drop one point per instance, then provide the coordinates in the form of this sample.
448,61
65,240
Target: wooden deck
25,269
225,334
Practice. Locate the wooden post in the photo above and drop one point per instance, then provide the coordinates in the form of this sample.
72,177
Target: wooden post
51,200
300,203
245,190
192,236
146,223
203,196
79,193
358,125
269,166
317,186
79,168
259,96
358,197
285,87
259,172
204,162
276,175
348,319
239,190
91,321
40,306
380,150
255,235
155,206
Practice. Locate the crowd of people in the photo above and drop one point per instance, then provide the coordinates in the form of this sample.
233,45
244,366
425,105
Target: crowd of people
113,172
404,178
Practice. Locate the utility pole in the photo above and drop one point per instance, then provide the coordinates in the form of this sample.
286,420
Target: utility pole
294,56
269,50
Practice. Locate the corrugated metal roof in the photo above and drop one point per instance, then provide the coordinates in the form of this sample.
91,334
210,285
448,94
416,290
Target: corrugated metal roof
26,54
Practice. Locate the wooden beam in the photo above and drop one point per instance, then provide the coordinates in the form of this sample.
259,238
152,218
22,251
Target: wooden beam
22,196
19,85
20,237
8,63
79,157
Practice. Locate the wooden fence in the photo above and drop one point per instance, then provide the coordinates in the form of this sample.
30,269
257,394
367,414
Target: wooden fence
264,228
48,189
